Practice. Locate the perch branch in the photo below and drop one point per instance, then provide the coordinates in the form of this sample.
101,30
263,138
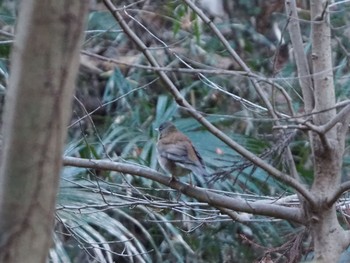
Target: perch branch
204,195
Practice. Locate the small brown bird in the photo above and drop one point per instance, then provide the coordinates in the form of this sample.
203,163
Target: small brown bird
176,153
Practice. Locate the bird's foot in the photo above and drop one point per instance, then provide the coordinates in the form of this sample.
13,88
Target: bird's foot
172,179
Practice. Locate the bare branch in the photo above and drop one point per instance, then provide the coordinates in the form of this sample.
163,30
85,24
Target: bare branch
342,117
216,71
204,195
341,189
305,80
322,62
234,215
344,113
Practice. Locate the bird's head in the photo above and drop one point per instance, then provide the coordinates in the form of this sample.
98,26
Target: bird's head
166,128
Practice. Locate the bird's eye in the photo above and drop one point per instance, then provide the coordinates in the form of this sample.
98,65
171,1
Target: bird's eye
162,127
165,125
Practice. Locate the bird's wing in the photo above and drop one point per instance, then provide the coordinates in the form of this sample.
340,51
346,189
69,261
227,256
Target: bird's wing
200,159
182,153
180,150
176,153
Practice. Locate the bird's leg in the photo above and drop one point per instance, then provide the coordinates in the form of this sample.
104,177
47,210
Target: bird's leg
191,183
173,178
178,195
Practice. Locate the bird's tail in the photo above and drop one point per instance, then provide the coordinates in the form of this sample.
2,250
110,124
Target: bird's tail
201,172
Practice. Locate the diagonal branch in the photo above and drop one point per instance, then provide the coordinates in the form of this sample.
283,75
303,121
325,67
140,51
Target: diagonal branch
340,117
321,130
244,66
341,189
195,114
305,79
204,195
305,124
234,55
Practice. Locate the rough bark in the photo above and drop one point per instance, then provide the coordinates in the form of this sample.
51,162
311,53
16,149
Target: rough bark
44,64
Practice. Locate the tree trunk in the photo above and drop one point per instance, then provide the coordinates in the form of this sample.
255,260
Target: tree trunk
329,237
44,64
